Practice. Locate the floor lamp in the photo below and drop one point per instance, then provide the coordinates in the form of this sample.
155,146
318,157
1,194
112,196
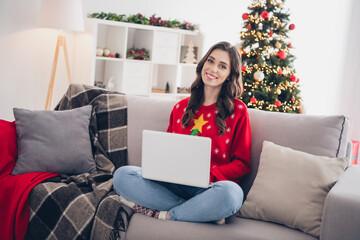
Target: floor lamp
62,15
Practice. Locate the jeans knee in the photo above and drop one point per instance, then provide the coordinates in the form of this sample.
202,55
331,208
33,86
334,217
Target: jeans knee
232,194
122,176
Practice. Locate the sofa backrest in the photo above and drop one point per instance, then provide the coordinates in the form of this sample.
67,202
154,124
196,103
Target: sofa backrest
145,113
319,135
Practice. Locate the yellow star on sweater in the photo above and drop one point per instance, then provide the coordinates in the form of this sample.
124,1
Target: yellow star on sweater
199,123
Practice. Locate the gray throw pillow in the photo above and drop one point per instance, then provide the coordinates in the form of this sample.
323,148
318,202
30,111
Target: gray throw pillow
291,186
54,141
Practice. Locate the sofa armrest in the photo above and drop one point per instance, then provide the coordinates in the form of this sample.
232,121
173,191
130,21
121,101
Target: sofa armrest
341,216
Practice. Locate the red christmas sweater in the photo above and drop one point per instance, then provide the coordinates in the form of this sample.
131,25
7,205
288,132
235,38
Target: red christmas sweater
230,153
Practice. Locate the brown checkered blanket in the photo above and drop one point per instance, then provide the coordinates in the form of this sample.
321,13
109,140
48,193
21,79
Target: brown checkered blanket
85,206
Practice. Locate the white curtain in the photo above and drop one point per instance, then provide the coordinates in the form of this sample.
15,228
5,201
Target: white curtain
349,101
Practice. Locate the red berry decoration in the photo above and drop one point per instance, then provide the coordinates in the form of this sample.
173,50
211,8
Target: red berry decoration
243,68
280,71
281,55
293,78
245,16
271,33
289,45
265,14
292,26
244,53
277,103
253,100
112,55
248,27
297,80
293,99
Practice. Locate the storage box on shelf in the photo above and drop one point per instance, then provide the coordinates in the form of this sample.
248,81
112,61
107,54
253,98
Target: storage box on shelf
143,77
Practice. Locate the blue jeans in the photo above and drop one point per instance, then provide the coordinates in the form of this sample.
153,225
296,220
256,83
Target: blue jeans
183,203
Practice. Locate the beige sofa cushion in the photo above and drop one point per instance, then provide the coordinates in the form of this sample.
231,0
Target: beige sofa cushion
314,134
291,186
145,113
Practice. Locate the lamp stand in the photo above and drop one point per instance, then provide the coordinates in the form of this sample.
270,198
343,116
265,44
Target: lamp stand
61,42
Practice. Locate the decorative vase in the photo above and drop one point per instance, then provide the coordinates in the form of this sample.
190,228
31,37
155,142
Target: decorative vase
99,52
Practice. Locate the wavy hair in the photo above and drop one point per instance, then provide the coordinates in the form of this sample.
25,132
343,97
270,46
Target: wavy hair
231,88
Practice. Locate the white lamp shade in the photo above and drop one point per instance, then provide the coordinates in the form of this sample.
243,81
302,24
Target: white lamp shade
62,14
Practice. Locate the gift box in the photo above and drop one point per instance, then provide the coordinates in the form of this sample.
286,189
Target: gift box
355,152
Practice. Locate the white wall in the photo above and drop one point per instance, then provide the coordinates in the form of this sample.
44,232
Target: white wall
349,89
320,40
26,56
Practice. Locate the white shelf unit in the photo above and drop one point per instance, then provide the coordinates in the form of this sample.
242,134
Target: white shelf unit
141,77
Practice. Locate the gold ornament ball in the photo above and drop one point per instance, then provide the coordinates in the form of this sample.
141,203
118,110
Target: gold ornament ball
278,45
259,34
259,76
106,52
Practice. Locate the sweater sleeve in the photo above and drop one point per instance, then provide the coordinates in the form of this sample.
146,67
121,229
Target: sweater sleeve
239,164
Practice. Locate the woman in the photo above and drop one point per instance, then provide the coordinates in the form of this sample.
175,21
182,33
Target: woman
212,111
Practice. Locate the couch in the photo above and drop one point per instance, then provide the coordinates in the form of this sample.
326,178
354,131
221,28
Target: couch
318,135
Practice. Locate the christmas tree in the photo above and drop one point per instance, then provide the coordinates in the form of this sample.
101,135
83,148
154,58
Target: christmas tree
190,55
268,75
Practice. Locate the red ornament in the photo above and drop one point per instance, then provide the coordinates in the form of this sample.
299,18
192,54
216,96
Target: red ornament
271,33
297,80
277,103
243,68
245,16
248,27
292,26
244,53
265,14
289,45
257,58
280,71
293,99
253,100
293,78
281,55
112,55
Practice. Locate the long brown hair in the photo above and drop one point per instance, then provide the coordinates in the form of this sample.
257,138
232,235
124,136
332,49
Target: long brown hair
231,88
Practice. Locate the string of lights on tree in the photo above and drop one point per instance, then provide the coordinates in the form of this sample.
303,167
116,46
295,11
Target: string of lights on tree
269,78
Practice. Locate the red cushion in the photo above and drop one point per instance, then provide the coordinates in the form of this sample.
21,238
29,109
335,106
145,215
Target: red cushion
8,148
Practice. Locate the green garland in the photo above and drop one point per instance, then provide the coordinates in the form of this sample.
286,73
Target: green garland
140,19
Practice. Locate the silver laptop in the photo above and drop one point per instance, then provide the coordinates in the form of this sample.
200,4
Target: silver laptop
176,158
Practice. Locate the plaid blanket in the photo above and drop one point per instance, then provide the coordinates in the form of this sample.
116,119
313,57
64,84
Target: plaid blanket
85,206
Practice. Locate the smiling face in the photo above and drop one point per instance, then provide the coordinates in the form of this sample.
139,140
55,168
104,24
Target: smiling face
216,69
